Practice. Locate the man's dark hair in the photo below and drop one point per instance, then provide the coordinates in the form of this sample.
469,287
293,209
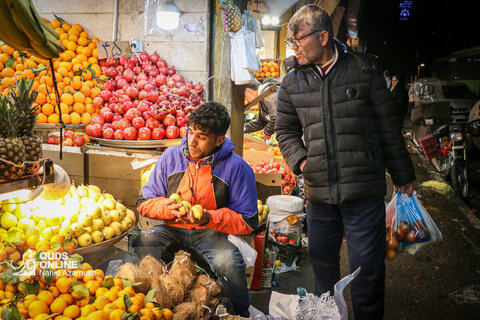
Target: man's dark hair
210,117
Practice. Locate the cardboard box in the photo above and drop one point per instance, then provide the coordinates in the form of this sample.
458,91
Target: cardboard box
251,142
268,184
254,157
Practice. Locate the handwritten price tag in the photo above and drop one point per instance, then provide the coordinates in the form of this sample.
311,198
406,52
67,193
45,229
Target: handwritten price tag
113,49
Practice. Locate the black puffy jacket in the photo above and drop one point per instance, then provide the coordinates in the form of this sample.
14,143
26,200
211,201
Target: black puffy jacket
350,129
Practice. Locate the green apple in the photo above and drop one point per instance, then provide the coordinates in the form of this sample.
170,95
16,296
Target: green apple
176,197
186,204
117,227
108,233
97,236
107,218
197,211
116,215
84,240
126,224
131,215
98,224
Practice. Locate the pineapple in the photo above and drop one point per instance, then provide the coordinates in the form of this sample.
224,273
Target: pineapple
12,150
232,17
23,102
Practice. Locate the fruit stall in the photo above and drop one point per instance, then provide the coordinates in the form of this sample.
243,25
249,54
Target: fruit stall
83,116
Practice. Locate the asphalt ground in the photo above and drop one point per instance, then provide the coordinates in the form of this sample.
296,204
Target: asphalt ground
441,281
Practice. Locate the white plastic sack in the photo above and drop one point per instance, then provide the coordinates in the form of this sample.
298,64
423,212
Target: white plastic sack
292,307
285,204
279,223
244,60
248,253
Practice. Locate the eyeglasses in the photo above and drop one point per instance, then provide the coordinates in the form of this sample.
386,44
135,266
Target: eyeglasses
297,42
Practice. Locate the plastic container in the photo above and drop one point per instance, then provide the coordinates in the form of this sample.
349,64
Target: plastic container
430,147
286,252
267,276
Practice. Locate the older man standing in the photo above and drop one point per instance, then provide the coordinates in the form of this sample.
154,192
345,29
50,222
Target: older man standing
338,101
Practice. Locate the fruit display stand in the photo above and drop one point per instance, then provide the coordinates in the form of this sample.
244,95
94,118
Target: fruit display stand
108,167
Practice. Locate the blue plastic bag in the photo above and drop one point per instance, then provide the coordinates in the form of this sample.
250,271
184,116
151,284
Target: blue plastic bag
409,226
413,225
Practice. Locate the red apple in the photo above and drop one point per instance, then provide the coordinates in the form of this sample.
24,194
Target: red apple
51,140
118,135
68,134
158,133
108,133
172,132
130,133
79,140
138,123
97,119
169,120
183,131
144,133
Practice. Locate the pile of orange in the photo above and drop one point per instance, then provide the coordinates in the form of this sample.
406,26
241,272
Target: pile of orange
268,69
82,293
77,74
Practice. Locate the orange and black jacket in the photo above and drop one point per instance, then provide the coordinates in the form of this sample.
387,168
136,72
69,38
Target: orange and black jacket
223,183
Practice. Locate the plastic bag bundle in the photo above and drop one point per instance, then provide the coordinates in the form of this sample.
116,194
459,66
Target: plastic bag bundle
317,307
408,226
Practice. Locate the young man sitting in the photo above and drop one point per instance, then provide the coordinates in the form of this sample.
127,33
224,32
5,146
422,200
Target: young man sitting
203,170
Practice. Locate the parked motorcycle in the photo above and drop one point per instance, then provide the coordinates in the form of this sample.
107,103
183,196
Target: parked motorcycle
430,109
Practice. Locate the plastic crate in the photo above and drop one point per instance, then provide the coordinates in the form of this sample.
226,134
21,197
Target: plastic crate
430,147
286,252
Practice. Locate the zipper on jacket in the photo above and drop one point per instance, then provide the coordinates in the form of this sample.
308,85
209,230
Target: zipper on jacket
334,145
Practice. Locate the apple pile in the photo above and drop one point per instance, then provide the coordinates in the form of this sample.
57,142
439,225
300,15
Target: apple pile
144,99
70,138
288,179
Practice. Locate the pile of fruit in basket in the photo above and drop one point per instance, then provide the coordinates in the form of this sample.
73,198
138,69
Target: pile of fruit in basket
84,216
268,69
178,286
70,289
288,179
144,99
77,73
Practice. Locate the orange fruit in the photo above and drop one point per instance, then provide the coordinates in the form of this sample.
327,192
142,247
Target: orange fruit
7,49
79,97
101,302
53,118
41,118
92,286
75,118
79,107
58,305
66,118
101,292
147,313
76,82
63,284
116,314
54,291
68,297
134,308
158,313
66,98
167,314
72,311
46,296
8,72
99,273
86,310
28,74
37,307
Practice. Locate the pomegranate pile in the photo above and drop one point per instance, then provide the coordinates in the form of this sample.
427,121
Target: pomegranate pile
288,178
144,99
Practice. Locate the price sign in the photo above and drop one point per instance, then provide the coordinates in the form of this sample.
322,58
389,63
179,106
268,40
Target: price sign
113,49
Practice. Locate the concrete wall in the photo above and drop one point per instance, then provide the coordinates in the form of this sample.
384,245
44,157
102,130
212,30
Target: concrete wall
186,50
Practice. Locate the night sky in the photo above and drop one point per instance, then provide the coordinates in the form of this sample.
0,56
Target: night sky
435,29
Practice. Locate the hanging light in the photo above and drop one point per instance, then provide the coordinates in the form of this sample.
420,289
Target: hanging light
274,21
168,15
266,20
